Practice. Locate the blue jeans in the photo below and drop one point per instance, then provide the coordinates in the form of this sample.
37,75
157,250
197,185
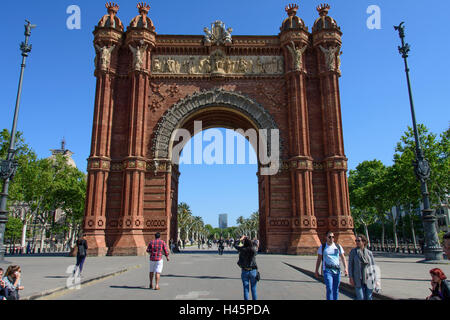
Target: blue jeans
80,262
249,278
332,282
363,293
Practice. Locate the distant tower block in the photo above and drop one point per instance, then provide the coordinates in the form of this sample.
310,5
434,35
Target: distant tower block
223,221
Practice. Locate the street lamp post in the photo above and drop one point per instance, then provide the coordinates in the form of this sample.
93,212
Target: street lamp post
432,248
9,166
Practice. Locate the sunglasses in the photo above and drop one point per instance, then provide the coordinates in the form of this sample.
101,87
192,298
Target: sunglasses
330,237
358,240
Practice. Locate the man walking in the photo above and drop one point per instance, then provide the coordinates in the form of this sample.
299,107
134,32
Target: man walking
329,254
156,248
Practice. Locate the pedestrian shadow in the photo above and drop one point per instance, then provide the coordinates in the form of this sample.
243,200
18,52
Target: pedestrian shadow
56,277
401,279
228,278
210,252
130,287
343,289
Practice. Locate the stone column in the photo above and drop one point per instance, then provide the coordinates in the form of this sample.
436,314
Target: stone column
304,237
130,241
107,40
327,44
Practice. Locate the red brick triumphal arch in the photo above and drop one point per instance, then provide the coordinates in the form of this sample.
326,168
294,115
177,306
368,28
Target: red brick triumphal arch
149,85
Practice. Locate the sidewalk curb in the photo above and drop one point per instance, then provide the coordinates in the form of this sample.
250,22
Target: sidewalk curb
62,289
347,288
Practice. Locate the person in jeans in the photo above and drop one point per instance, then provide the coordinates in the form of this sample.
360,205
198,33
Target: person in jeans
361,270
156,248
82,247
247,262
328,255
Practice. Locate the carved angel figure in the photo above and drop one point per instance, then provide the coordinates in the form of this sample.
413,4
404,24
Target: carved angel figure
330,57
208,35
138,54
297,56
227,35
105,56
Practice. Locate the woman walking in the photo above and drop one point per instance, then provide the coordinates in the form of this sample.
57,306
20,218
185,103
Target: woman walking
247,262
361,271
81,254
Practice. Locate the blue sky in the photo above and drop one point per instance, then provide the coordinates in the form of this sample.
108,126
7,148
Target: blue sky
59,85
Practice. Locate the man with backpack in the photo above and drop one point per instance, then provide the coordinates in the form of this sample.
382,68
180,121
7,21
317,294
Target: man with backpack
328,255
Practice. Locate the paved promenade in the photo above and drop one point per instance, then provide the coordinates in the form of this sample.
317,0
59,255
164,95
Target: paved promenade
204,275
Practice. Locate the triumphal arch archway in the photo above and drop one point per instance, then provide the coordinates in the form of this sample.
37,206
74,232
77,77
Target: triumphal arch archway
151,85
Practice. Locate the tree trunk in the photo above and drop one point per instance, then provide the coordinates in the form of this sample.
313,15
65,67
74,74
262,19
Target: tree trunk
383,232
24,235
413,232
366,231
43,230
394,226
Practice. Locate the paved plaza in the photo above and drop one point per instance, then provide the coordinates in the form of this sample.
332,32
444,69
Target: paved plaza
204,275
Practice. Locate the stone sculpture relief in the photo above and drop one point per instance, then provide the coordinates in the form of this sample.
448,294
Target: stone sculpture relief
218,63
218,35
297,56
330,57
105,56
138,55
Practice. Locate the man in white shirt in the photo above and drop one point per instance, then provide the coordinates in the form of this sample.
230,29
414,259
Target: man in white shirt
329,257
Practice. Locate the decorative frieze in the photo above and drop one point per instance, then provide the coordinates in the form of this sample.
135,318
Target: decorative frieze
218,62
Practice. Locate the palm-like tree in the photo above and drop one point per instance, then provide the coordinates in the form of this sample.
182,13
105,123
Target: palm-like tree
249,226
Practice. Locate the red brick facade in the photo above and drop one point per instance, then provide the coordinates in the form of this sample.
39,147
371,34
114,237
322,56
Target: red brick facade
148,84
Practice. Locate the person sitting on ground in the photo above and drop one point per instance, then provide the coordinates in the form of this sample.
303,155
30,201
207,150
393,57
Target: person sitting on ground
447,245
440,286
3,289
12,282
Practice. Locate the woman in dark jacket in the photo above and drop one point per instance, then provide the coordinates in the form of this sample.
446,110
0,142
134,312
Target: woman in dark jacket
82,247
440,285
247,262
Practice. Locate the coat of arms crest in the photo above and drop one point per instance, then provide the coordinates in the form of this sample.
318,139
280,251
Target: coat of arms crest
218,35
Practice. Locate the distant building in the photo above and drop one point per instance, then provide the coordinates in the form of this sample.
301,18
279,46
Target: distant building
64,152
223,221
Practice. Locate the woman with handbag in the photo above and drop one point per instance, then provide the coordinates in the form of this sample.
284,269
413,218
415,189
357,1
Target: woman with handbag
247,262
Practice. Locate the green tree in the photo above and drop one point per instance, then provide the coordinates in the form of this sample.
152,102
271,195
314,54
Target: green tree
13,229
366,191
405,186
